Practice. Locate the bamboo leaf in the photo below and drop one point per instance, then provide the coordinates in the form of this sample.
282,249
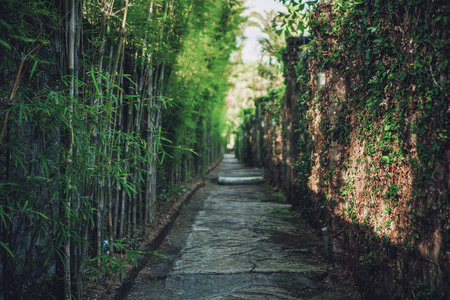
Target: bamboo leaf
23,38
7,249
38,213
5,217
20,114
33,68
94,81
5,44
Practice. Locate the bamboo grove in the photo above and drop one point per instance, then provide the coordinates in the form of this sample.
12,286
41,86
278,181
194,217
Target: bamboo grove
105,107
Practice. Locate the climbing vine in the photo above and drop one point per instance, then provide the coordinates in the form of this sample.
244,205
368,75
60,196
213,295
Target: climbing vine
392,60
372,146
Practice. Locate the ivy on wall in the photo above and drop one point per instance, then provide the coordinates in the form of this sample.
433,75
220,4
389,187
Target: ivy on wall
372,144
384,125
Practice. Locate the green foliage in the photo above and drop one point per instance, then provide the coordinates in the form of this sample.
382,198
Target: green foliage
392,194
368,262
39,183
198,87
394,77
275,42
393,59
362,46
294,22
243,141
304,163
105,90
425,292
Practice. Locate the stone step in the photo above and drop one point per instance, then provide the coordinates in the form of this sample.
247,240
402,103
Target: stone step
240,180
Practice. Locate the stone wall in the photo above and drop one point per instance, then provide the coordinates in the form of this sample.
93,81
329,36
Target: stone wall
366,154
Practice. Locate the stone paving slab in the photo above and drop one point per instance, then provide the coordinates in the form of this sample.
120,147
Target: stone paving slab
236,242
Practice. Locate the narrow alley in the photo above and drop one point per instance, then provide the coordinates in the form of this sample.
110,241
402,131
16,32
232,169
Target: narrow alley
239,241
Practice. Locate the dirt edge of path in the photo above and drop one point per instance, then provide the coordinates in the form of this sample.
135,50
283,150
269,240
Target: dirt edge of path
158,237
111,286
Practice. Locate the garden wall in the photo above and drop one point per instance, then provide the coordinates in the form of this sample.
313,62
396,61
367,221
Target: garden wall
372,158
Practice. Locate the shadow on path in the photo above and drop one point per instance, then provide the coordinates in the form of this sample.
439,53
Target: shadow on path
238,241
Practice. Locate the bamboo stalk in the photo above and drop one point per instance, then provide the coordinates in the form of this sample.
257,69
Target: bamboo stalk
11,98
111,233
149,142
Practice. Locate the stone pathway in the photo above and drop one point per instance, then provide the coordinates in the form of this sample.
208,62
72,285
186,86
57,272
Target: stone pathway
237,242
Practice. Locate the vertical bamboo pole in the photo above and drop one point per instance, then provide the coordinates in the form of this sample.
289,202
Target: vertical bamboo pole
149,143
64,267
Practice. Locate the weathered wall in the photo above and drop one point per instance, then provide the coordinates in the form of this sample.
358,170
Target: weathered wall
259,140
372,158
380,153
